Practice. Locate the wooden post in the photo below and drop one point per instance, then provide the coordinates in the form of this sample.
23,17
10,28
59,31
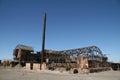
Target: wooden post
43,41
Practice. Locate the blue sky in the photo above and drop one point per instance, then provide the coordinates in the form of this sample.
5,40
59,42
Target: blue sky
70,24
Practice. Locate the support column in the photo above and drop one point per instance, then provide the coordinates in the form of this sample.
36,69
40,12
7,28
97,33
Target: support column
43,41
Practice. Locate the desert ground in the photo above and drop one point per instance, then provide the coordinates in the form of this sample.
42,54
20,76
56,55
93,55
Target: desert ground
23,74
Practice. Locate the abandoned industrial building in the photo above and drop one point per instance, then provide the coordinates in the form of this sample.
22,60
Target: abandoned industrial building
79,60
90,58
24,54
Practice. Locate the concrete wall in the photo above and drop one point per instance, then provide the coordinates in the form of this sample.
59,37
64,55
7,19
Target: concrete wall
28,66
43,67
36,66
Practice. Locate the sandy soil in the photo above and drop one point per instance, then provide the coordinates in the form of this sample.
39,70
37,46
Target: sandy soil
22,74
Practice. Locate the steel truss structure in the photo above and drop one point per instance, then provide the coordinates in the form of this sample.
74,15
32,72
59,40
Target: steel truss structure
92,52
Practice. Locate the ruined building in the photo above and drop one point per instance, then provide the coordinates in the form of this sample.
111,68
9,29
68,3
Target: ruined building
24,53
87,59
90,58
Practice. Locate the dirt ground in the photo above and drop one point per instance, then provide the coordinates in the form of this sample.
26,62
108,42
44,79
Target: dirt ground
22,74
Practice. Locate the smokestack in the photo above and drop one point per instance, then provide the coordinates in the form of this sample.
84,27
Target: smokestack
43,40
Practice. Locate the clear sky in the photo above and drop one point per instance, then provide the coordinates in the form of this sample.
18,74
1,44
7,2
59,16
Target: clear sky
70,24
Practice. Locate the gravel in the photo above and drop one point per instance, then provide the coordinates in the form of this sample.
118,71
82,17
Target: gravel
22,74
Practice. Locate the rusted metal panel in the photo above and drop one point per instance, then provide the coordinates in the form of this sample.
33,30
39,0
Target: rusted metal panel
24,47
82,62
19,54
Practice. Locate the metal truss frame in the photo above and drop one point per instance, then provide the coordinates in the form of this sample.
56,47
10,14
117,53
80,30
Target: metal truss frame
92,52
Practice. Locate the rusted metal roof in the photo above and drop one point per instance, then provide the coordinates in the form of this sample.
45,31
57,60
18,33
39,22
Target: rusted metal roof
51,51
24,47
